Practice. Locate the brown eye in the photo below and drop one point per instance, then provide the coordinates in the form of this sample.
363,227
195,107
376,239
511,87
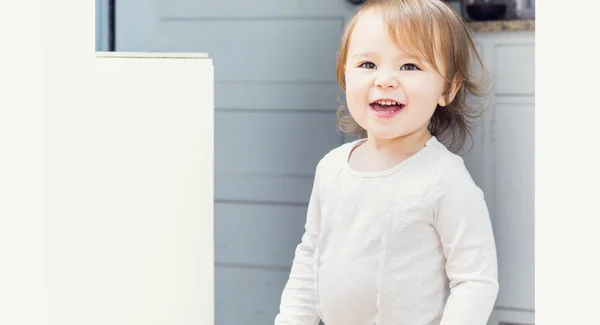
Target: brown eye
409,67
367,65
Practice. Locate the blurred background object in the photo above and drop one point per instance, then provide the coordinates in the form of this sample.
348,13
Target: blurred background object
494,9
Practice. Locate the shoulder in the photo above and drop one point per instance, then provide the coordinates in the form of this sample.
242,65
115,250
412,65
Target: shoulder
335,158
453,194
330,166
450,172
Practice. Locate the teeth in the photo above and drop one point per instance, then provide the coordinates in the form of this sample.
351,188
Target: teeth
386,102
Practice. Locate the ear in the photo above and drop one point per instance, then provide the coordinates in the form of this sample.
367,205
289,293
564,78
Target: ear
454,87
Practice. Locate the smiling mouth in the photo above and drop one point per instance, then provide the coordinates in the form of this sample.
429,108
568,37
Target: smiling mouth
386,106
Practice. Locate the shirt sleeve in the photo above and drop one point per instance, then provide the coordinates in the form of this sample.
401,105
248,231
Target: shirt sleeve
298,301
461,218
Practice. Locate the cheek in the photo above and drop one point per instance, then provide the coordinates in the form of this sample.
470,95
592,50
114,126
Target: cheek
356,86
426,91
356,96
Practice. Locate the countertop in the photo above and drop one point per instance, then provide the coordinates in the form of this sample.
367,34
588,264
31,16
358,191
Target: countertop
496,26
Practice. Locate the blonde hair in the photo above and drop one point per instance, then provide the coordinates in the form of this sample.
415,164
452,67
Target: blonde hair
434,30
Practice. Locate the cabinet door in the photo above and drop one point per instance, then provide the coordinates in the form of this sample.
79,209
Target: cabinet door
514,195
508,159
514,73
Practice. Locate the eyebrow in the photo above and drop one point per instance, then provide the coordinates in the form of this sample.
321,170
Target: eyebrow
364,54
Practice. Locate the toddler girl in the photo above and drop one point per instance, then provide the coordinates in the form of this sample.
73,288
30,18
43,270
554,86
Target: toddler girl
397,232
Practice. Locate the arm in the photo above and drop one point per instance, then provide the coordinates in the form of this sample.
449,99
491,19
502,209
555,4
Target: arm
462,221
298,301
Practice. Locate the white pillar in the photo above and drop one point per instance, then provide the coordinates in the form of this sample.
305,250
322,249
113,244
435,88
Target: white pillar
154,157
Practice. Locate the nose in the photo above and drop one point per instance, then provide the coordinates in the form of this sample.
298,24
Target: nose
386,80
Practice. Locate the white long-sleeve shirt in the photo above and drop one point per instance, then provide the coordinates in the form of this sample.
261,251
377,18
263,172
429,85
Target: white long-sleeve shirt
412,245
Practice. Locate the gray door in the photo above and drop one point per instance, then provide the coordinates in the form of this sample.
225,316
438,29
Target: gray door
275,98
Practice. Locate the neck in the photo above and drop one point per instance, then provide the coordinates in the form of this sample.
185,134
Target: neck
404,145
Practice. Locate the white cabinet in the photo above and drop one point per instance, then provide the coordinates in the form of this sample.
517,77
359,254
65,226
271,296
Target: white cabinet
507,154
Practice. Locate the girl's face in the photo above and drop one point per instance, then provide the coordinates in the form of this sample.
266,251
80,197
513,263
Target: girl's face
388,92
